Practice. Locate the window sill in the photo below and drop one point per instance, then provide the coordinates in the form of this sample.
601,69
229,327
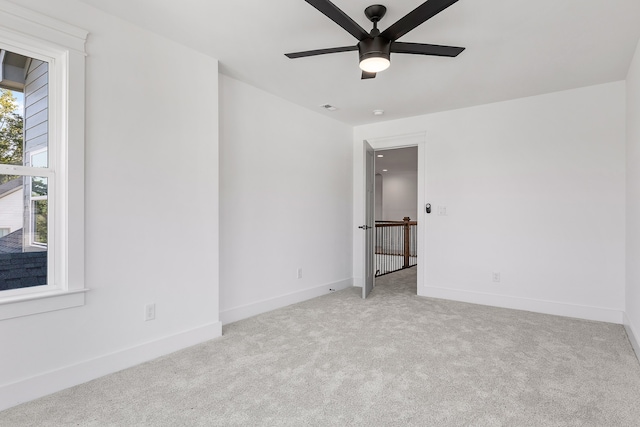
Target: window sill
43,302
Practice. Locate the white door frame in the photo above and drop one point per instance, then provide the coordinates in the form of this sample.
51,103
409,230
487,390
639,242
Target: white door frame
402,141
369,224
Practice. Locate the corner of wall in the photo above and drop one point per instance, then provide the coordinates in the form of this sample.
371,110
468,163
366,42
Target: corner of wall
632,230
633,338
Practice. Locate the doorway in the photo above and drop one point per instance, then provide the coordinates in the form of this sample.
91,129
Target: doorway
387,148
396,209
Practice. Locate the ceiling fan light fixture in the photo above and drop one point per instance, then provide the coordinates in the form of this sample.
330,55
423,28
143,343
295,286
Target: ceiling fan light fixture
374,64
375,54
374,46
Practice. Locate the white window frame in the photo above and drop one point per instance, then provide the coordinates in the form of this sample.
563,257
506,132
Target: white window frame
31,34
32,218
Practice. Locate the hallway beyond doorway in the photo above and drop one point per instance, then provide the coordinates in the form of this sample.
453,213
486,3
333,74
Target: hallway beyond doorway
401,282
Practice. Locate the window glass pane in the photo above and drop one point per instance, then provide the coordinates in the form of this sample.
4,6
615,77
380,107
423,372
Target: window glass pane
24,217
11,132
39,214
38,209
39,159
24,111
38,187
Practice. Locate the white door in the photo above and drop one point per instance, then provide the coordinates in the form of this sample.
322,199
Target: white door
368,227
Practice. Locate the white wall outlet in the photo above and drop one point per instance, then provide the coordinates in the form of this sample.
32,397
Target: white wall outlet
149,312
442,210
299,273
496,276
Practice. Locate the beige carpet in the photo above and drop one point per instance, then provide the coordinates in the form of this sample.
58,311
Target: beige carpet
393,359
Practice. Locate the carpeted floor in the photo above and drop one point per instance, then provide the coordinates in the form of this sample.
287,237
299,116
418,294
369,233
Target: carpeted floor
393,359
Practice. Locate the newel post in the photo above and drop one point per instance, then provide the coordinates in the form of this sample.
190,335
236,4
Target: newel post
406,220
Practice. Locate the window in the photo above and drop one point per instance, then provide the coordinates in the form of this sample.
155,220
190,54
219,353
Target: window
41,163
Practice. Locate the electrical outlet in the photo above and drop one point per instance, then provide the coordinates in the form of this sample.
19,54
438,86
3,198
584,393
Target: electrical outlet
299,273
496,276
149,312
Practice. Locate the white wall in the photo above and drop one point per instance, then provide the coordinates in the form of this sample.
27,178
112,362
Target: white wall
632,320
151,212
378,199
534,189
399,195
286,202
12,210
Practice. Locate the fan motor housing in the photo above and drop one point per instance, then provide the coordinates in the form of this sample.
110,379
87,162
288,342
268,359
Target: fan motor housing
377,47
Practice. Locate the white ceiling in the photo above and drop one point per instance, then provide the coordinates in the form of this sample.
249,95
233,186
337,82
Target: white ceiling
398,160
514,48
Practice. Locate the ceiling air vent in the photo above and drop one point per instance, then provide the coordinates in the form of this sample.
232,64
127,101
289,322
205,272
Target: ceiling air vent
328,107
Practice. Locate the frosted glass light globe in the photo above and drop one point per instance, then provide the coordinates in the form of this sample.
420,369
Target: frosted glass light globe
374,64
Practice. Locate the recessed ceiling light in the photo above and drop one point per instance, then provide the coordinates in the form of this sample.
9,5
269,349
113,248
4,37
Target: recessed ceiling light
378,112
380,155
385,170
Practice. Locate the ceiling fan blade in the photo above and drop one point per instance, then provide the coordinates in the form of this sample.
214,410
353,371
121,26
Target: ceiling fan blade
426,49
367,75
332,12
320,52
417,16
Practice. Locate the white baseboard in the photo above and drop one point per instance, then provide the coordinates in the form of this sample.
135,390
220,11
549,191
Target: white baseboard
50,382
538,306
635,342
249,310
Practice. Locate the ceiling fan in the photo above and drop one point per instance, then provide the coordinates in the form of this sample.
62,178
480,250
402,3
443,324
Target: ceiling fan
375,47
